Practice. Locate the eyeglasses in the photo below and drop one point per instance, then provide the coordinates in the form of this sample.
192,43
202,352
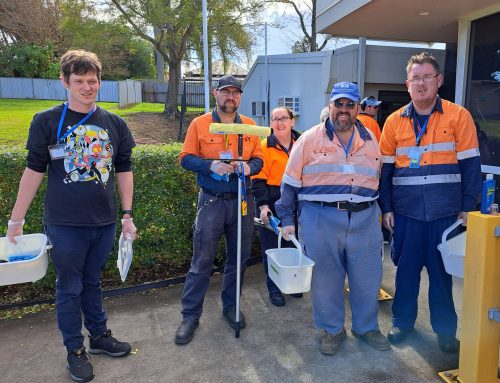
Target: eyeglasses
281,119
373,106
425,79
348,104
234,94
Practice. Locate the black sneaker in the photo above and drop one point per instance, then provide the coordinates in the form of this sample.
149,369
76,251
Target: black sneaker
107,344
79,365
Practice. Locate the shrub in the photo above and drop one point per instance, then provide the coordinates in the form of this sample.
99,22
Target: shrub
164,210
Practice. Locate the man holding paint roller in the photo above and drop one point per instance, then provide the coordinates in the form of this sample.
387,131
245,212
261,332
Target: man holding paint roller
331,184
213,157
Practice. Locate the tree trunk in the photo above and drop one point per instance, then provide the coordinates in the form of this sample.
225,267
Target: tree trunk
314,35
171,101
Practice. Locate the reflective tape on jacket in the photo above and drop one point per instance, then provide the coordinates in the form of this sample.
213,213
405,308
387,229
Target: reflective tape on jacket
440,147
319,167
427,180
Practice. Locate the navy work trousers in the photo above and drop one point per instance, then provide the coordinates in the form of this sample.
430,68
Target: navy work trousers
216,217
415,246
79,254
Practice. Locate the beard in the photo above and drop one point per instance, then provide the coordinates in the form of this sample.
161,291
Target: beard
229,108
344,125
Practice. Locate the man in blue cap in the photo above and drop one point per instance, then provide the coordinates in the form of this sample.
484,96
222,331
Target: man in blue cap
367,115
331,183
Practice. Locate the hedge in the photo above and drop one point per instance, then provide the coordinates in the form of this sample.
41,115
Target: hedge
164,210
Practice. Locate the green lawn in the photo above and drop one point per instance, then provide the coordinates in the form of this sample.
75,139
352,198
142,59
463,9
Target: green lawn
16,115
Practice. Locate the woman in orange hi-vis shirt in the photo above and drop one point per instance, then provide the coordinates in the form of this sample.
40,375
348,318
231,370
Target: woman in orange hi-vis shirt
266,186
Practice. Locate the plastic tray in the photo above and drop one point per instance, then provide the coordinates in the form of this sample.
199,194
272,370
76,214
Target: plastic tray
28,270
289,268
453,251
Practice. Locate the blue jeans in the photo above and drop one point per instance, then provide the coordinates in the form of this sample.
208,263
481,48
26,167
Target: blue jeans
216,217
79,254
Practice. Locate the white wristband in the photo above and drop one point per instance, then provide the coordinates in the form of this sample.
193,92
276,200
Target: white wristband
15,223
127,220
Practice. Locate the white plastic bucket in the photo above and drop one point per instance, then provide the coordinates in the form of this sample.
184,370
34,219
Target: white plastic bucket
453,251
29,270
289,268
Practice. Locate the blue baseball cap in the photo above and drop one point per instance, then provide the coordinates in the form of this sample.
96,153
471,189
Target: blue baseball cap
370,101
345,90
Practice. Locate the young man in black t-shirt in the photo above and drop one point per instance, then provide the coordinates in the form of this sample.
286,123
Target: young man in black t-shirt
82,147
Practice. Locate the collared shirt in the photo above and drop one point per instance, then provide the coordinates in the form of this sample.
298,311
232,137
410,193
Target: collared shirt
318,170
448,178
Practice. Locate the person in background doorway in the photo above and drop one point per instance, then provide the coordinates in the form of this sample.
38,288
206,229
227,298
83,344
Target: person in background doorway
324,114
431,175
368,115
266,186
331,184
84,148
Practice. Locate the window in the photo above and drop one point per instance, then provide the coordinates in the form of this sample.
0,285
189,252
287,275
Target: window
258,109
290,102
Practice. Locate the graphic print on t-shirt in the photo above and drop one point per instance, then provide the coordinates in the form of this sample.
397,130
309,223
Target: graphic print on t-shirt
88,155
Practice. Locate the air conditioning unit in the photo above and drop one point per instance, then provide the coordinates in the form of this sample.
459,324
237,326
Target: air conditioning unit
290,102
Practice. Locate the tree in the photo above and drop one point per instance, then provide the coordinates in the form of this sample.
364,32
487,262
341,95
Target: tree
30,21
28,60
306,13
177,25
35,33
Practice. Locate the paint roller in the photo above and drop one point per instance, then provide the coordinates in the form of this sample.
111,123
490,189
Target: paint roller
240,130
253,130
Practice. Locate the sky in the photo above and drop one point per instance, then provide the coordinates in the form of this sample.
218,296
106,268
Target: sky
283,29
280,40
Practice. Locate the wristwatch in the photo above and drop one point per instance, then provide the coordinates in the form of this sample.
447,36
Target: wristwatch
128,211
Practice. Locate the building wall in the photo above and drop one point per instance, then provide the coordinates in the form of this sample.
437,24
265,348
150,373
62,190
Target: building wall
291,79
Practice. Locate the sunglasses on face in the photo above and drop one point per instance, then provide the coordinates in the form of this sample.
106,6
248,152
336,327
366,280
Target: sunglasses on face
347,104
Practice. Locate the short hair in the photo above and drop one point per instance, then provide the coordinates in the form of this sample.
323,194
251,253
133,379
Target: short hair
325,113
80,62
423,58
288,110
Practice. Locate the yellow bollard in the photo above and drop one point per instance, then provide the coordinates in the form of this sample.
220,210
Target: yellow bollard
479,336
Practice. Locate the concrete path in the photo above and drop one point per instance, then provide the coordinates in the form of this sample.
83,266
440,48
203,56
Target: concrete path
278,345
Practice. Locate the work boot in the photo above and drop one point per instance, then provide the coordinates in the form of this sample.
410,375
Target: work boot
448,343
230,315
185,331
107,344
374,338
277,299
398,335
79,365
330,343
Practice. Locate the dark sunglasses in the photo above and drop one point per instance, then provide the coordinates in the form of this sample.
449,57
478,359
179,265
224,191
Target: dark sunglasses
348,104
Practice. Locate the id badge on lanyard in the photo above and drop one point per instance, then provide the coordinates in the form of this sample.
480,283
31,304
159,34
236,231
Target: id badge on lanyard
415,152
56,151
414,157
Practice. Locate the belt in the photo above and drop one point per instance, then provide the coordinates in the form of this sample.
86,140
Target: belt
225,195
348,206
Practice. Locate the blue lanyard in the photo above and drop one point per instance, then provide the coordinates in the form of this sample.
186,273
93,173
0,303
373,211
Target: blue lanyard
422,129
61,122
346,148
